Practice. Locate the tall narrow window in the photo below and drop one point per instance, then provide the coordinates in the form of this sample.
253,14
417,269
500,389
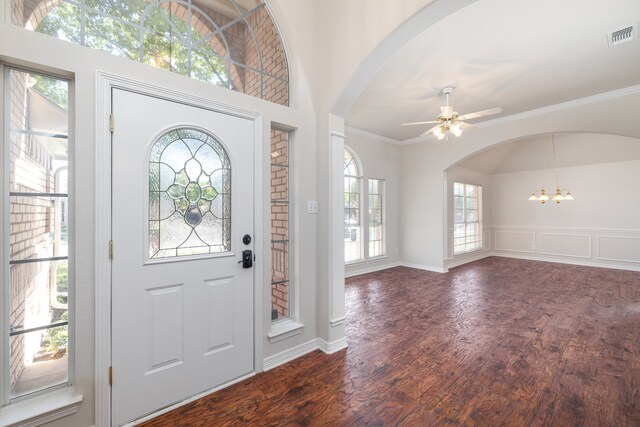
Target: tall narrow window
352,212
376,218
280,224
36,263
467,231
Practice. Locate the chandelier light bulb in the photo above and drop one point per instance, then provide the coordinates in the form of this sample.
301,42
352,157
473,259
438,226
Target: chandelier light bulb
533,197
456,129
568,196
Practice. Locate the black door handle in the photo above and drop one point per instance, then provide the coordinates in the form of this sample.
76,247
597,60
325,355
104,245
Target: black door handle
247,259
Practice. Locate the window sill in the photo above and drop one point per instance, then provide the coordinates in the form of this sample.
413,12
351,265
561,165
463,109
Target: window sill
41,409
284,330
356,262
377,258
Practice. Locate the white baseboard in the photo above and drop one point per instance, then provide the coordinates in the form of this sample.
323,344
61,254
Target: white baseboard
371,269
290,354
424,267
302,349
333,346
567,261
469,257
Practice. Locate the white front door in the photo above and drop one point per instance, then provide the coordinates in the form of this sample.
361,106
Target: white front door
182,305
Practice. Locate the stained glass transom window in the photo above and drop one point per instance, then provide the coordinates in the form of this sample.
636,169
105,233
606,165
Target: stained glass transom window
189,195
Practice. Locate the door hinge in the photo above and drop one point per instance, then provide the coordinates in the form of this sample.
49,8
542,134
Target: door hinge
110,249
112,122
110,375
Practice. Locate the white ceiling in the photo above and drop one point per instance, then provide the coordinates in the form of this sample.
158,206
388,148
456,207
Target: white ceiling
537,153
517,55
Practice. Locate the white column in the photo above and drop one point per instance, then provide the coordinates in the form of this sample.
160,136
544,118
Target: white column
337,340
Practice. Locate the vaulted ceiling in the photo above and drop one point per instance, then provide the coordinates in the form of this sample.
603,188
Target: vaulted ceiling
516,55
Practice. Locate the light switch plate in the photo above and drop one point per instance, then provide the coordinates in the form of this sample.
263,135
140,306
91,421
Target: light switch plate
312,207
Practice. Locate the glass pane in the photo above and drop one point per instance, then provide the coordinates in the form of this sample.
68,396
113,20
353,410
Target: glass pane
62,22
37,290
280,269
180,36
458,203
111,35
471,190
279,221
279,300
189,195
275,90
39,360
279,261
458,189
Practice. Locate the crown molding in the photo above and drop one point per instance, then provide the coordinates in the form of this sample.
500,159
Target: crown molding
605,96
371,135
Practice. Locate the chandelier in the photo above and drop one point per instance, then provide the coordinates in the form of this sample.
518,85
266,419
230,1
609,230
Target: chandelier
560,193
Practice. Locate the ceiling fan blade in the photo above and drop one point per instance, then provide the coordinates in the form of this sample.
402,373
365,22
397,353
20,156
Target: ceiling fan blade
418,123
483,113
429,131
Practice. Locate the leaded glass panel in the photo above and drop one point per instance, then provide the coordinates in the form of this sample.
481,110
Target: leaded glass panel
189,195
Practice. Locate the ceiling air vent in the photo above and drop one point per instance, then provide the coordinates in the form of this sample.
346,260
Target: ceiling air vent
623,35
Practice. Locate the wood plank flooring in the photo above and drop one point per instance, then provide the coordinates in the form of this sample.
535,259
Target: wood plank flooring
495,342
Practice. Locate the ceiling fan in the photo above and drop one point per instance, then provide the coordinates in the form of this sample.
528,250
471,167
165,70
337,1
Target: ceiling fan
450,121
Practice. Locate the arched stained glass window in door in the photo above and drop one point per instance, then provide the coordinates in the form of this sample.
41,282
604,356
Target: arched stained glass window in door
189,195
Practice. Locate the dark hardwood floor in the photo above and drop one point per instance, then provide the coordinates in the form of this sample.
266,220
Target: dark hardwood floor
495,342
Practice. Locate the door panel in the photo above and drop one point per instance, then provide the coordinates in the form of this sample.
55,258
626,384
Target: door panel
182,306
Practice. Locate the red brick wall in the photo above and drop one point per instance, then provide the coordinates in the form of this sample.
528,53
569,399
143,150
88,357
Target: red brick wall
280,221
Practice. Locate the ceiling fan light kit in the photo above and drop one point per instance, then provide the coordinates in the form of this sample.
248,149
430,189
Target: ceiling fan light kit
449,121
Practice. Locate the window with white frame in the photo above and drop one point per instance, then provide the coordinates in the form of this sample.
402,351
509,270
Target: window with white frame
376,218
352,204
37,234
467,217
281,295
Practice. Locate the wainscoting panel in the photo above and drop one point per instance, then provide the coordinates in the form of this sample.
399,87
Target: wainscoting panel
599,247
515,241
565,245
619,248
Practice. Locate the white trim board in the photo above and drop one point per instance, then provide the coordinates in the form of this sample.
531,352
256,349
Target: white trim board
289,354
371,135
468,257
424,267
584,263
293,353
371,269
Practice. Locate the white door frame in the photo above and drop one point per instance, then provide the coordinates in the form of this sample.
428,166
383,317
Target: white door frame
104,84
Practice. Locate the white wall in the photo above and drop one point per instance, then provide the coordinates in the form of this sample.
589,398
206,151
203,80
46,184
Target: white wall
422,163
600,227
380,159
468,176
